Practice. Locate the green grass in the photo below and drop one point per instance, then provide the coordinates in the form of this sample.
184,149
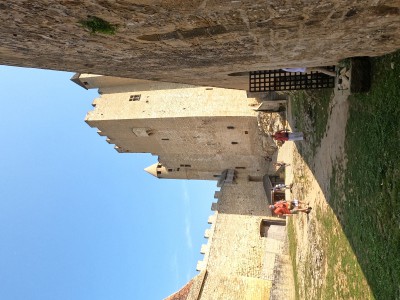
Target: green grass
293,250
98,25
361,236
371,213
310,110
345,278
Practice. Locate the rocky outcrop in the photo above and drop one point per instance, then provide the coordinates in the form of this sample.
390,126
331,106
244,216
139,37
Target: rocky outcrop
194,42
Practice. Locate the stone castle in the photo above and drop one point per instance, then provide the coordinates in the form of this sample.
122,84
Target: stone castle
173,47
204,133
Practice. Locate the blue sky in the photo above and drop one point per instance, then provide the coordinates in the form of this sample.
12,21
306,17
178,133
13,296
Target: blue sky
77,219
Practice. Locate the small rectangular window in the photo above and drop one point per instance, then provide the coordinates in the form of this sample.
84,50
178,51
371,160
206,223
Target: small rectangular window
134,97
165,139
234,143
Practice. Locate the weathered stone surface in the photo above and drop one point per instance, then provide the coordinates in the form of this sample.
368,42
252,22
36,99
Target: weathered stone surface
195,42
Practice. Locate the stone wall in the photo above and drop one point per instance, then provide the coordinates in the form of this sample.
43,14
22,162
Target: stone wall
240,262
221,287
197,132
192,129
195,42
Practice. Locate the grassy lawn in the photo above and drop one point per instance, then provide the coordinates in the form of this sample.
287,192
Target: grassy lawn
293,250
361,234
370,214
345,278
310,110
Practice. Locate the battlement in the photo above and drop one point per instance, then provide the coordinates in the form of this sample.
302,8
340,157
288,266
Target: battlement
245,248
205,248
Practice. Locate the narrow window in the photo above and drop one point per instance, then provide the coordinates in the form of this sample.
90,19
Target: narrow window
264,229
165,139
134,97
169,170
234,143
189,166
231,127
158,172
240,168
255,178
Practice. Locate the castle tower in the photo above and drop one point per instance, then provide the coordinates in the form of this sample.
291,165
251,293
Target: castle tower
197,132
210,134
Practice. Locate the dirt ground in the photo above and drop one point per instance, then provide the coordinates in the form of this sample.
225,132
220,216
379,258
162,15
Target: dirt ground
311,184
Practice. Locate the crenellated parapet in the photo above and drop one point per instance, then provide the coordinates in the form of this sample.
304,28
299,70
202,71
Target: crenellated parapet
205,248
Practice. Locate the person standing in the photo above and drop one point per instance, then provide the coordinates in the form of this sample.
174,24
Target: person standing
282,208
281,187
284,135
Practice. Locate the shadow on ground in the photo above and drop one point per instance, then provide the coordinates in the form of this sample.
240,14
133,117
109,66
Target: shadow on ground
357,168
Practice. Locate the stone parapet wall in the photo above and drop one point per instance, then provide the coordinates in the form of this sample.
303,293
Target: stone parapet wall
220,287
237,248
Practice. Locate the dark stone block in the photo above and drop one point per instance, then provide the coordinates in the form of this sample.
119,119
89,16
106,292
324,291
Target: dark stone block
360,75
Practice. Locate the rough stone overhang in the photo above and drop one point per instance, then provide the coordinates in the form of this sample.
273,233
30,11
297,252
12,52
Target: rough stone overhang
195,42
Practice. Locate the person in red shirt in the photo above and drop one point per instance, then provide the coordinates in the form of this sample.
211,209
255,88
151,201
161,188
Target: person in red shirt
284,135
281,135
282,208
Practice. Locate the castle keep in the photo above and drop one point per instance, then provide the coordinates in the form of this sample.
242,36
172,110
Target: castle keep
208,134
204,133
